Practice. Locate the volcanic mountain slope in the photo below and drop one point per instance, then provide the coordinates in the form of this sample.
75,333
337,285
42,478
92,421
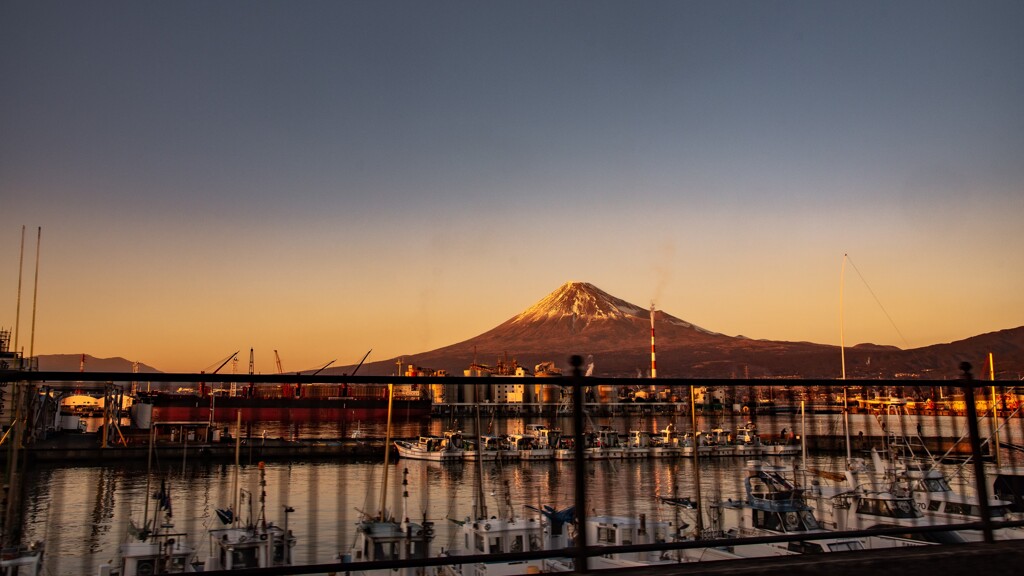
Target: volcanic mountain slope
580,318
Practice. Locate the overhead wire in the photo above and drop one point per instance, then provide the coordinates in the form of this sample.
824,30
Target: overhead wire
877,301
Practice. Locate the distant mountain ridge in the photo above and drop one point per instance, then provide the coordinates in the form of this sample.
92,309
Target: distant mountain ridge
73,362
580,318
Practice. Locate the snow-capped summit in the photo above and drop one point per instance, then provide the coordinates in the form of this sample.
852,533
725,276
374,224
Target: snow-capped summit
582,303
579,299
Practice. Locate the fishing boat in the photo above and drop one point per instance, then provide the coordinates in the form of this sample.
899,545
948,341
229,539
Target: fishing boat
775,505
565,450
487,448
666,444
153,548
537,442
160,553
382,538
637,445
611,530
707,445
935,498
255,543
447,448
747,441
486,536
720,442
603,445
861,504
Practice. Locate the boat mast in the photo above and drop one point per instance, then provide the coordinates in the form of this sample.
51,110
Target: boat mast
149,475
995,410
21,266
696,464
387,452
842,356
803,442
479,458
35,295
238,451
842,327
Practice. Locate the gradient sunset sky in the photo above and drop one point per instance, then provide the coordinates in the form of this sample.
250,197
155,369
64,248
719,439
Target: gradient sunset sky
323,178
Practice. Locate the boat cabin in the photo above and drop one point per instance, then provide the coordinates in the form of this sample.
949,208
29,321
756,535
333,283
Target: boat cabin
249,547
165,554
379,540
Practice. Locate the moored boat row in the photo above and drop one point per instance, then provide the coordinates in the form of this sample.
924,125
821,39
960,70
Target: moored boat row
539,442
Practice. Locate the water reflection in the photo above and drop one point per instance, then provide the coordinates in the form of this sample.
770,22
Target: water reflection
83,513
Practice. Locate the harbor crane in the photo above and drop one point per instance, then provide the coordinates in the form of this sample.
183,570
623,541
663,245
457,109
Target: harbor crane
202,385
277,357
358,366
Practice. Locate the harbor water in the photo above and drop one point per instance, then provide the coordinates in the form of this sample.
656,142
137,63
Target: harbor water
83,513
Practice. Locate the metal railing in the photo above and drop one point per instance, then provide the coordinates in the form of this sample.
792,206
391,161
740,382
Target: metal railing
627,402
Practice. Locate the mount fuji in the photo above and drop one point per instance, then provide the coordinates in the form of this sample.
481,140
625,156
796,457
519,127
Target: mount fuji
580,318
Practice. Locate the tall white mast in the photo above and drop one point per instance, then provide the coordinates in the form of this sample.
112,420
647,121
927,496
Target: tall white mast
35,295
842,319
21,266
842,356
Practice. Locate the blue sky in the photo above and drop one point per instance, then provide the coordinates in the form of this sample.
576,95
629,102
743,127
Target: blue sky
327,177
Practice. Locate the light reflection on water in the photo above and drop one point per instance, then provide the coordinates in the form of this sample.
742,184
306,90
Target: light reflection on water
82,512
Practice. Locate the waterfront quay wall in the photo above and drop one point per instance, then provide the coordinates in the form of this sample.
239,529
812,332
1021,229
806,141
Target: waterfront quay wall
86,448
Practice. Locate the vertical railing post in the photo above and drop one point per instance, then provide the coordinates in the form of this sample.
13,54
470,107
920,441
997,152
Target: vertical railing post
980,482
580,467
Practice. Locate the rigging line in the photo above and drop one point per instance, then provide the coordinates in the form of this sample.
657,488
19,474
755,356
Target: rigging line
879,302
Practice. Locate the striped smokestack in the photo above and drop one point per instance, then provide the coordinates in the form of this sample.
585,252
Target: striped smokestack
654,364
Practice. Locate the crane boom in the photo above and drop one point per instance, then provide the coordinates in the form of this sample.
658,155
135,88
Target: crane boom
324,367
278,358
361,362
225,362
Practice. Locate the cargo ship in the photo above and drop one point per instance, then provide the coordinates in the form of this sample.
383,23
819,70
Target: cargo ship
285,402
